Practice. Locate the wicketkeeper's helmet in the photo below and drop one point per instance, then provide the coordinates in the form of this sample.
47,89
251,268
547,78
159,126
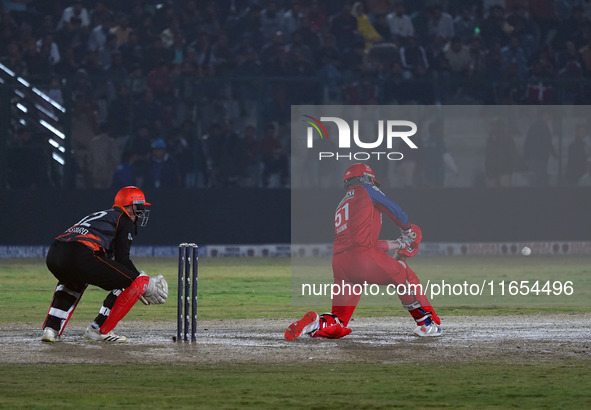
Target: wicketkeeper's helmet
359,172
131,195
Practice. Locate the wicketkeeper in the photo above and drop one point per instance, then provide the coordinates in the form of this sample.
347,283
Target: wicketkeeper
359,257
95,251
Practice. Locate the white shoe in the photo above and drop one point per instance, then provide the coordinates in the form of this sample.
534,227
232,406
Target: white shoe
306,325
50,335
93,334
432,329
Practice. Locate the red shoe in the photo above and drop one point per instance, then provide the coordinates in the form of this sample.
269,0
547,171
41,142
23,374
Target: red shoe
330,327
305,325
333,332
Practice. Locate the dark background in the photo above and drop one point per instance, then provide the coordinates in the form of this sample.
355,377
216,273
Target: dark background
464,215
213,216
258,216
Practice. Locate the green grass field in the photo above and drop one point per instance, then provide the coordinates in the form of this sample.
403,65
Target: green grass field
347,386
260,288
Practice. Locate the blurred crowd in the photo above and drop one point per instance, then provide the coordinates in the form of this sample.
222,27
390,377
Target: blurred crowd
197,93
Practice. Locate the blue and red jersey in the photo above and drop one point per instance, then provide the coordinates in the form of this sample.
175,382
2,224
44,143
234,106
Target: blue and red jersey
358,218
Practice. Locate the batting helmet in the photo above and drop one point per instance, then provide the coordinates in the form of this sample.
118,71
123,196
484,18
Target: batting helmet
131,195
362,172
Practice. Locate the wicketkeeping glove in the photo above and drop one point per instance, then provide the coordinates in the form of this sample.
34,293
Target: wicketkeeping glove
157,292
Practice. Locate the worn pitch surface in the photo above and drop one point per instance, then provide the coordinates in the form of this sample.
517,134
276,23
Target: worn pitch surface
374,340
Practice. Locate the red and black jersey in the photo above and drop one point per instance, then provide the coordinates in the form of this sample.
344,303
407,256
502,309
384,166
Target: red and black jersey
358,218
110,231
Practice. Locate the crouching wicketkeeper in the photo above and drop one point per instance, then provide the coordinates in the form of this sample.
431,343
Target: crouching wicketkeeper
95,251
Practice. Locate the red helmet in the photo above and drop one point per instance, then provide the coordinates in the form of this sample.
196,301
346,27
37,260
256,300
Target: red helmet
131,195
362,171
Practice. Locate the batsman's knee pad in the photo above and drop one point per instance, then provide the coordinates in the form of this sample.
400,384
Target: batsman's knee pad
125,302
331,327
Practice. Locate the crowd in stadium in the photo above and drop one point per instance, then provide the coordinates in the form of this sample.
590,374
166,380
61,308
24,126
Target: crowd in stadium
198,93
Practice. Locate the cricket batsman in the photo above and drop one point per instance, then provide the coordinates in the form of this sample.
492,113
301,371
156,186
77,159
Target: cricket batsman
95,251
359,257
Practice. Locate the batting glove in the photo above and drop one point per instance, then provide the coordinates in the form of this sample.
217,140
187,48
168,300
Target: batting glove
409,251
412,235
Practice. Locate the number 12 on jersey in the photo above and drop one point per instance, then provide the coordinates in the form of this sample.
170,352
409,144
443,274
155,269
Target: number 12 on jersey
85,221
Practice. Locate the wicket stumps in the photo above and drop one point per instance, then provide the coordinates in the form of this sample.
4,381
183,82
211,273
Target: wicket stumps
187,291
